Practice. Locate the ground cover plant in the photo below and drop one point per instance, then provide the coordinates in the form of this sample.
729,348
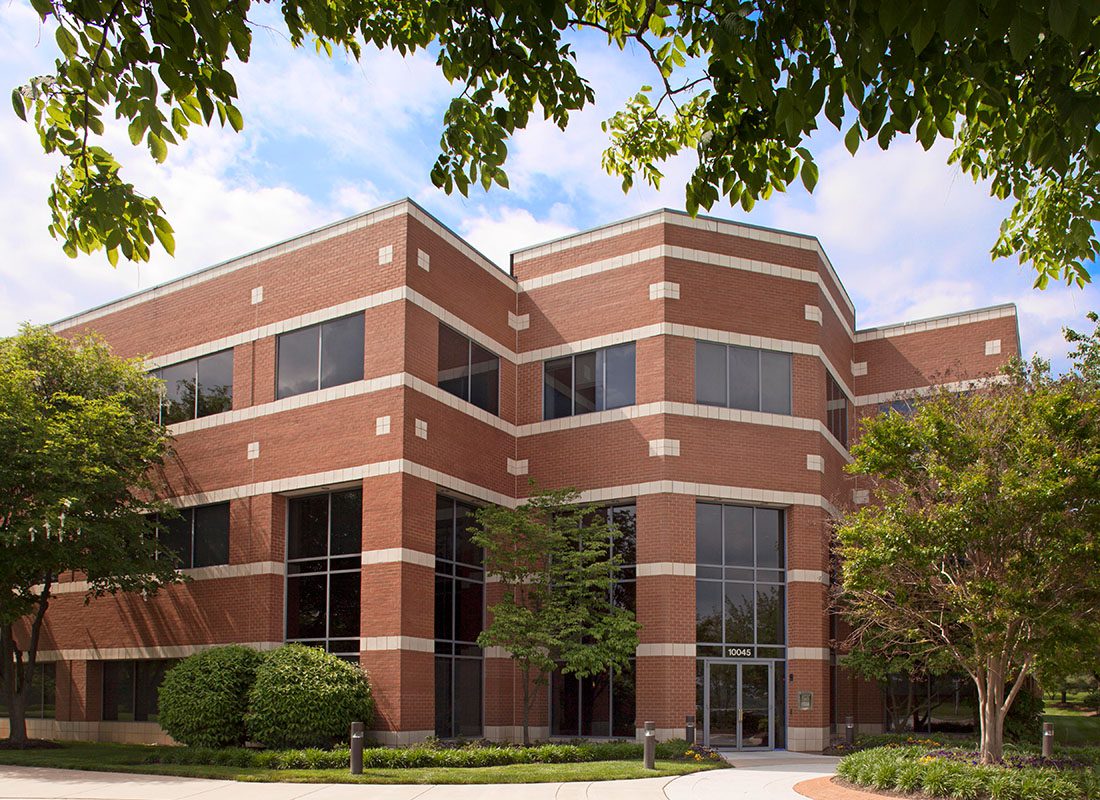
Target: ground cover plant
957,773
431,762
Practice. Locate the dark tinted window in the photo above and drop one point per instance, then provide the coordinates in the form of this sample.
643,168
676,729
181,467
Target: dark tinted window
587,382
836,409
467,370
600,705
324,560
742,377
198,537
43,699
130,689
710,373
342,351
197,388
740,586
320,356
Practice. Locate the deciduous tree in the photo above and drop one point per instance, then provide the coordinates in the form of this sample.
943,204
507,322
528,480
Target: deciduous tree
742,84
78,439
557,565
983,537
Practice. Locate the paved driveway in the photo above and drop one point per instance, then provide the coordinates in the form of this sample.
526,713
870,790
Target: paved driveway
766,776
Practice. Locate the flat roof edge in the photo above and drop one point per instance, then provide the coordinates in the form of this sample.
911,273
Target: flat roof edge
1008,309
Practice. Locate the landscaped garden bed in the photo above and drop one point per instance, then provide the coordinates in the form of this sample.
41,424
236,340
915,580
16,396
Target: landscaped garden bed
928,769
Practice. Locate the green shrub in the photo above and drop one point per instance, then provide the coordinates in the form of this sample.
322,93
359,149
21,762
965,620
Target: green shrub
204,698
305,697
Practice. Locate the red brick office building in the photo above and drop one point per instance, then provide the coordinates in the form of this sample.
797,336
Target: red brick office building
341,401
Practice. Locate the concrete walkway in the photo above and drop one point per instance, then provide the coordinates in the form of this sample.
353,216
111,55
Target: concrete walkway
763,776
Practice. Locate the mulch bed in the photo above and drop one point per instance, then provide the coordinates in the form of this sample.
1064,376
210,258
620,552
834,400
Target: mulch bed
834,788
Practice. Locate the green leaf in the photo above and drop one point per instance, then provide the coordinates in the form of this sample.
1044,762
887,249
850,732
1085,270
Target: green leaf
66,41
18,104
234,116
852,138
809,175
1062,14
1024,34
157,148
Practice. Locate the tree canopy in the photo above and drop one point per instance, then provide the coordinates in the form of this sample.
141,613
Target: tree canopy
78,443
1013,84
557,565
981,541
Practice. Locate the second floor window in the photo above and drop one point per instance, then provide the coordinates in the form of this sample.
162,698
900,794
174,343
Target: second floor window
742,377
320,356
198,537
836,409
197,388
467,370
595,381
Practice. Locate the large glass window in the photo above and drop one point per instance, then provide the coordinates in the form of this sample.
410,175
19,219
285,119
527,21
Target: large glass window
130,689
198,537
320,356
602,705
43,700
459,618
742,377
324,560
197,388
468,370
740,586
595,381
836,409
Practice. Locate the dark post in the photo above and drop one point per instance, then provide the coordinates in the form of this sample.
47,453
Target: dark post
357,748
849,730
689,729
1048,740
649,746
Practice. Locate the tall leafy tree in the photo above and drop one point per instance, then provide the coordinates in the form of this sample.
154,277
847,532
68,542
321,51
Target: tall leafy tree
79,442
983,539
742,84
557,565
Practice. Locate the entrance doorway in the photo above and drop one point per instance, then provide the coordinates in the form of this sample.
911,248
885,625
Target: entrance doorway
739,704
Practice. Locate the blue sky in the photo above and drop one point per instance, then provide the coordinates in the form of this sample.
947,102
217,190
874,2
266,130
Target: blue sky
327,138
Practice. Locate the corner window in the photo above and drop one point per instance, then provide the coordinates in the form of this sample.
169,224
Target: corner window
324,559
320,356
197,388
742,377
587,382
198,537
467,370
836,409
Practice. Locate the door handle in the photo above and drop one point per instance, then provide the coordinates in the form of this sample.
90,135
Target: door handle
740,715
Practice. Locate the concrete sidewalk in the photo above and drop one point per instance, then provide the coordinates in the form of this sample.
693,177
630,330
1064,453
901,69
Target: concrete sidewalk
764,776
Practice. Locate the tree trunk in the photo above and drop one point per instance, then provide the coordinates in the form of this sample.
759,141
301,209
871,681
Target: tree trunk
16,673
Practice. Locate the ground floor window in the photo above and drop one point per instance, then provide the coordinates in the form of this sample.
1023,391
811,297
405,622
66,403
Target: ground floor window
43,699
602,705
943,704
130,689
324,560
459,618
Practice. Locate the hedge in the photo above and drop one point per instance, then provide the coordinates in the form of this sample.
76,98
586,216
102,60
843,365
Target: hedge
204,698
477,755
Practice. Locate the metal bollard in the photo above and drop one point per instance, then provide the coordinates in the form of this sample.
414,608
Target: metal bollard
849,729
689,729
357,748
649,746
1048,740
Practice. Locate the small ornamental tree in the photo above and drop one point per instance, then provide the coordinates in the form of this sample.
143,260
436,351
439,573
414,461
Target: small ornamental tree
78,439
557,564
983,540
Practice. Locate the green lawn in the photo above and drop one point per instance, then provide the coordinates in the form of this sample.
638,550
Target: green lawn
131,758
1073,727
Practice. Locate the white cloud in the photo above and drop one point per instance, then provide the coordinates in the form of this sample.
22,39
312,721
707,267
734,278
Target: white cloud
496,233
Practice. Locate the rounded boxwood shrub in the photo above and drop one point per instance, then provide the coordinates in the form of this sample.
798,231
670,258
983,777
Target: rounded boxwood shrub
305,697
204,698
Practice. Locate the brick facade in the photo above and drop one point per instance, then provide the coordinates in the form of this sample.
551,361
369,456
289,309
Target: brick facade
662,281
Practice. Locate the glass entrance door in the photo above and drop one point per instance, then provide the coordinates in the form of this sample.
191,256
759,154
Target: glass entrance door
738,705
